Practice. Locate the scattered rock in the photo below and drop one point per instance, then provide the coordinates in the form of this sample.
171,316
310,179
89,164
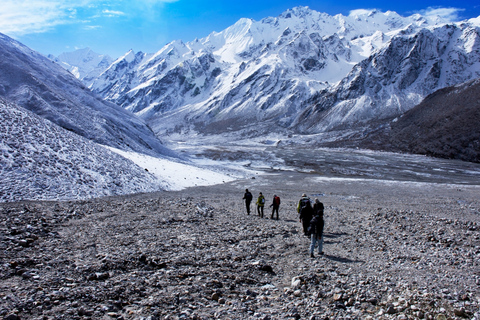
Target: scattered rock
406,251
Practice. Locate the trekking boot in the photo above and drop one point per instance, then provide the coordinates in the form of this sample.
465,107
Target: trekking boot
312,255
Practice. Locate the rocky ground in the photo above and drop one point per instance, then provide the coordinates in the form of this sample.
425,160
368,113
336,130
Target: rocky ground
393,250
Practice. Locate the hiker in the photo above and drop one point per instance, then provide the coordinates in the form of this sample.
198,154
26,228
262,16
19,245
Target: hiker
248,199
275,204
260,204
304,208
316,228
318,208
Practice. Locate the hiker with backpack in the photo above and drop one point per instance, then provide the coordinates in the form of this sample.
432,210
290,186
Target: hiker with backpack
248,199
260,204
276,205
305,210
316,228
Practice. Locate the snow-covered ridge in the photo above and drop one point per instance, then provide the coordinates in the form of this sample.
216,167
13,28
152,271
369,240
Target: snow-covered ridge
40,160
36,83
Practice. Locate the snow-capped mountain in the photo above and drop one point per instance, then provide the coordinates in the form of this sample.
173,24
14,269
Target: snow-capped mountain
84,64
302,71
36,83
397,77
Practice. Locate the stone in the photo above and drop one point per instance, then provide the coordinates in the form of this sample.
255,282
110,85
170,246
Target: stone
391,310
338,296
215,296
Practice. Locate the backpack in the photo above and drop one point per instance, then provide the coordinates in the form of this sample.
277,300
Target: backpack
276,200
305,209
305,203
312,227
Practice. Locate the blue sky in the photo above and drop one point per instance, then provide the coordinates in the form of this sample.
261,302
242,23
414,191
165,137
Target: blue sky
115,26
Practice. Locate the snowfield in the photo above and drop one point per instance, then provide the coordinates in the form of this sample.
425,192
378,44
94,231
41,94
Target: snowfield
178,176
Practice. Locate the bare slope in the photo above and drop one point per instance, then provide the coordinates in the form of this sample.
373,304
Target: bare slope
444,125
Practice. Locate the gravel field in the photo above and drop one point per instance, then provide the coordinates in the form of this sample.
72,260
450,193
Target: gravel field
393,250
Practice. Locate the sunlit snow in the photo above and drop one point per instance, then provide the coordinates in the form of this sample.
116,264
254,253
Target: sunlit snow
176,175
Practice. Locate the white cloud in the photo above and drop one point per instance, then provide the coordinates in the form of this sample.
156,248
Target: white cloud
113,13
450,14
18,17
360,12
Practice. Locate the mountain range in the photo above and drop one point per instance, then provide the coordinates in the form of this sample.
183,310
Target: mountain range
303,72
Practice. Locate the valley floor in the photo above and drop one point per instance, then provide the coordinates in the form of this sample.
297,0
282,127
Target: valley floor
393,250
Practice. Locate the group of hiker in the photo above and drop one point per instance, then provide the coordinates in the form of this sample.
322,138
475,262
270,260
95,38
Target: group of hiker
311,216
248,197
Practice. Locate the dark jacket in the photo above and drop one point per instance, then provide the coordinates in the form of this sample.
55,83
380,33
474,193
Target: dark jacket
318,209
304,208
275,202
316,226
248,197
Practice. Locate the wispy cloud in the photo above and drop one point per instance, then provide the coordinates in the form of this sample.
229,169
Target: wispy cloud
360,12
450,14
20,17
113,13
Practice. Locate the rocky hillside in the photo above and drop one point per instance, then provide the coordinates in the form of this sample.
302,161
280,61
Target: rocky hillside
41,160
444,125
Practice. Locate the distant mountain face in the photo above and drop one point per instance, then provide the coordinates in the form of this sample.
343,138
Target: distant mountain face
301,72
84,64
37,84
445,124
397,77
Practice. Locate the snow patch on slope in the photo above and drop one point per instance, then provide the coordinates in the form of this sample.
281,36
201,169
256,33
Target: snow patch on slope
176,175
